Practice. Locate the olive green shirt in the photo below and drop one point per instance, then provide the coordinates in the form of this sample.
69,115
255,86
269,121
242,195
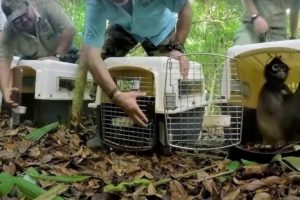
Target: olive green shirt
274,11
51,21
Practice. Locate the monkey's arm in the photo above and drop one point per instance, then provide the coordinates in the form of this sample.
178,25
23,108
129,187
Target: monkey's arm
287,94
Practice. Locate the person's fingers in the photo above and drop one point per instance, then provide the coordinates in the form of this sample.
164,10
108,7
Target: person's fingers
10,97
184,71
10,101
184,67
129,104
140,116
140,119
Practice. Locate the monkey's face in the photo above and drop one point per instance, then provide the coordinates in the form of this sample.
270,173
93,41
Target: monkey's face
279,71
276,70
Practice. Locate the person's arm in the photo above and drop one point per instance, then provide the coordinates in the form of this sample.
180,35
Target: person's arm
260,25
6,82
90,57
6,56
184,24
294,18
62,24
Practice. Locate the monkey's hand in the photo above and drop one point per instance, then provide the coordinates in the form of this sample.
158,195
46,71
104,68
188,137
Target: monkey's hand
287,94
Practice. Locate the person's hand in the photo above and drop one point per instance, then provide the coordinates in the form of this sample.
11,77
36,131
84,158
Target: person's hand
49,58
183,62
127,101
260,25
10,95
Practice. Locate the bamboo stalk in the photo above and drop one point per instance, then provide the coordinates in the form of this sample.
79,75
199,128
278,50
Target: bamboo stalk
78,93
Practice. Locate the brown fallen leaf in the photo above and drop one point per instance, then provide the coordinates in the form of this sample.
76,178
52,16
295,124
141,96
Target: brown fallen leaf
144,174
262,196
83,152
46,158
35,152
232,195
7,154
10,168
274,180
208,184
251,171
75,140
177,191
253,185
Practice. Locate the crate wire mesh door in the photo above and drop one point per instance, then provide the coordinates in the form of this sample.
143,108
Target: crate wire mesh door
203,111
118,130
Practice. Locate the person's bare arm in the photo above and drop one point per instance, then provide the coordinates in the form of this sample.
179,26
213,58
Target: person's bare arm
260,24
90,57
184,24
62,24
6,82
183,28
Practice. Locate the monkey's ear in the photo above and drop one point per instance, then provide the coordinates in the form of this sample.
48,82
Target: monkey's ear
276,60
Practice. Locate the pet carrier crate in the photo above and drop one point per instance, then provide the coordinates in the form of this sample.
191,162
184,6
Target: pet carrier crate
45,88
214,121
176,107
252,60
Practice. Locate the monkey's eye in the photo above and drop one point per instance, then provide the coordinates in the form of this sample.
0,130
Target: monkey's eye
276,67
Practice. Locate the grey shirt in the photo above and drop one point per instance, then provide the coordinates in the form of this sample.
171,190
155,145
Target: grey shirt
2,18
52,20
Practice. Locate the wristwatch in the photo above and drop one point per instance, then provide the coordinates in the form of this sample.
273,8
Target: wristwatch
254,16
178,47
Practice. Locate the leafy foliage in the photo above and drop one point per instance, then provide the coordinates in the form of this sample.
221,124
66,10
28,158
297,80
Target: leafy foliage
76,11
214,25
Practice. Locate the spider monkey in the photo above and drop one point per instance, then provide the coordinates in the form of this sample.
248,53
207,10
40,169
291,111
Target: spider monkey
273,99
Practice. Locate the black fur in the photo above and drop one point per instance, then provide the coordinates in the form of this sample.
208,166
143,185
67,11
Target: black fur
272,101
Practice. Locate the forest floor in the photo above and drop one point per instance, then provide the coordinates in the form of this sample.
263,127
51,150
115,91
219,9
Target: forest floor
60,164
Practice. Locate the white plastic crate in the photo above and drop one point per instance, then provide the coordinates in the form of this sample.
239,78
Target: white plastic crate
46,89
116,129
174,106
209,123
49,79
156,66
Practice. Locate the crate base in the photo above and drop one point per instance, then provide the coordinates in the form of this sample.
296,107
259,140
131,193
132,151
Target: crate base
250,132
46,111
42,112
238,153
160,144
